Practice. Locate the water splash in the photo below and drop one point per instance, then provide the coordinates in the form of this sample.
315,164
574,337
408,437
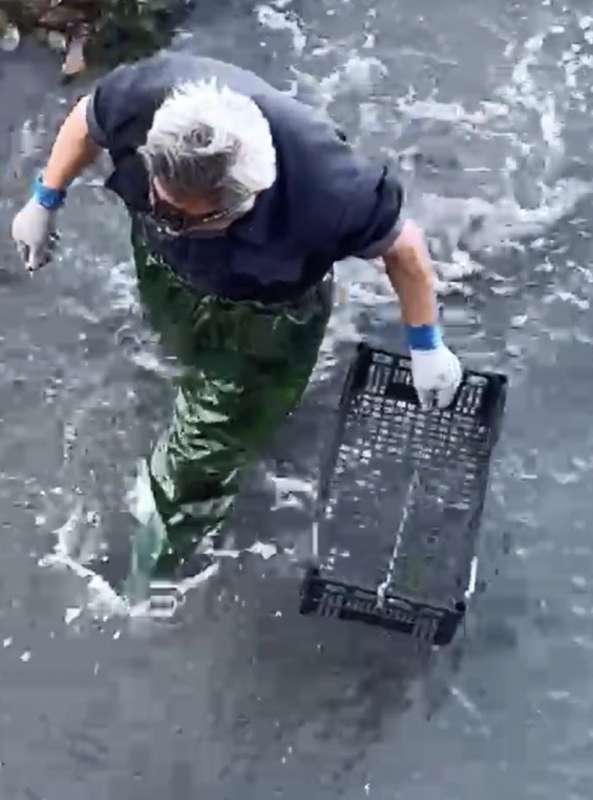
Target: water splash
279,20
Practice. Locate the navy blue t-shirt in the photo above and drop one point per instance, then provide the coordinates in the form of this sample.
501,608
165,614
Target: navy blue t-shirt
327,201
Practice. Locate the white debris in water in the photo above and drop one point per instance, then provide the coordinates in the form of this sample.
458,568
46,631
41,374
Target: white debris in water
471,587
71,614
585,23
569,297
40,519
7,642
518,321
277,21
263,549
26,656
116,635
466,703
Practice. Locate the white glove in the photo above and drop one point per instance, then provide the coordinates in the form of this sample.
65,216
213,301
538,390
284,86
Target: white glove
436,374
33,230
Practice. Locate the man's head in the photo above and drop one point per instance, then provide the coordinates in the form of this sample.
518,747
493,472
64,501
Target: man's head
208,153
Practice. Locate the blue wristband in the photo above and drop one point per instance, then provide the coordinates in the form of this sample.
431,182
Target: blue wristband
423,337
46,197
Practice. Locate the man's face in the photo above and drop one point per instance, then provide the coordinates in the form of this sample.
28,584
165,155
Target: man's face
184,213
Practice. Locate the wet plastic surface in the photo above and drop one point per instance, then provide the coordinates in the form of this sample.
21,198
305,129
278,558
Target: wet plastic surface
400,500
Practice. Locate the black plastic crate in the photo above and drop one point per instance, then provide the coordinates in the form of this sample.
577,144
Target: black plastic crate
400,500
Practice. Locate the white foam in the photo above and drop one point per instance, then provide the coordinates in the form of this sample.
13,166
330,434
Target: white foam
504,222
450,112
461,266
68,535
71,614
122,287
551,126
357,74
277,20
102,600
264,549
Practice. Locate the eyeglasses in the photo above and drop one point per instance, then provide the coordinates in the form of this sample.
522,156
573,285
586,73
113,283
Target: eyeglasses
175,222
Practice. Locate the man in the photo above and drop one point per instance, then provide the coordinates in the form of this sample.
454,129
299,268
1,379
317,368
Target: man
241,200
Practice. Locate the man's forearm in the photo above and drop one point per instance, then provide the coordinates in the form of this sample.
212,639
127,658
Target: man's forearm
73,149
409,268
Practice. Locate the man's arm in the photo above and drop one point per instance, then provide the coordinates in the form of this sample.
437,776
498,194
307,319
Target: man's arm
73,149
410,271
367,199
435,369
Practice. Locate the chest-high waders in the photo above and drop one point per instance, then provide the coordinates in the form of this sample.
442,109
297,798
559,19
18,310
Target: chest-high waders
245,367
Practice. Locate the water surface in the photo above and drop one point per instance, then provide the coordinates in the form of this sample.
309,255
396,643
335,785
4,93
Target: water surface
487,107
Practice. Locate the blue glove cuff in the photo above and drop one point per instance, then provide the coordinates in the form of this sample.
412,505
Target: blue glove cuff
423,337
46,197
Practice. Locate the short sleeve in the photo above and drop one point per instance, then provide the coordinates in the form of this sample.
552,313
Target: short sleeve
96,132
121,107
371,217
105,111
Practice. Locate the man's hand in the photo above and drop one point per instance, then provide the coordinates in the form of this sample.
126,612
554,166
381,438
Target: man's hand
437,374
33,230
435,369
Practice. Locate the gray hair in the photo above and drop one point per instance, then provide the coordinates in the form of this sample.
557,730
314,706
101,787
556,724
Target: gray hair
207,139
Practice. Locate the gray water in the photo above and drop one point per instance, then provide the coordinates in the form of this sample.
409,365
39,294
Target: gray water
487,106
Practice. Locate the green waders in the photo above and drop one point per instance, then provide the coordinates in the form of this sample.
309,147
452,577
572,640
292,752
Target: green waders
245,367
